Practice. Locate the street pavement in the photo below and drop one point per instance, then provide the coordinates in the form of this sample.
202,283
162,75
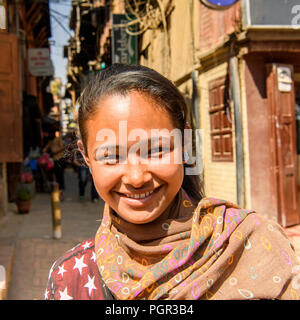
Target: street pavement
27,247
28,238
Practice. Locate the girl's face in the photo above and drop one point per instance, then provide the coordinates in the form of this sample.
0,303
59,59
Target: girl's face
139,191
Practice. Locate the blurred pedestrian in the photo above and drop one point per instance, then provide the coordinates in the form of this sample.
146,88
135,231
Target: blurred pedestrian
56,148
84,176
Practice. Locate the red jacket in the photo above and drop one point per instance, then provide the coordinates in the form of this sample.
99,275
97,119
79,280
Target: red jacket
76,276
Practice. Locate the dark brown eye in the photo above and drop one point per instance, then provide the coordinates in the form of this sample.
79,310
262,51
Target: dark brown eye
158,152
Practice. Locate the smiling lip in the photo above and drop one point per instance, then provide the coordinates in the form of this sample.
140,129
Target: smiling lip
139,195
139,198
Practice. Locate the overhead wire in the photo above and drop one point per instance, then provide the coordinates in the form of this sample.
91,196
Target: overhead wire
61,24
59,13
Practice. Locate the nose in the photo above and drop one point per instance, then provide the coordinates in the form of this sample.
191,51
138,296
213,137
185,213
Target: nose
136,175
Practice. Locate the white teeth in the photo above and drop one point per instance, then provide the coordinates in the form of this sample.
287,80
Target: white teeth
139,196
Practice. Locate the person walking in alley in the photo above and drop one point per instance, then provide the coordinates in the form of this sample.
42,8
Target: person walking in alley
56,147
160,236
84,176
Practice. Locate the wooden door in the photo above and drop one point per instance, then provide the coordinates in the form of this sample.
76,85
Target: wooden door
11,141
281,102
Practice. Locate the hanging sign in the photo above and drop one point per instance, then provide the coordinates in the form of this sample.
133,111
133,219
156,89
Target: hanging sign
219,4
39,62
124,45
271,14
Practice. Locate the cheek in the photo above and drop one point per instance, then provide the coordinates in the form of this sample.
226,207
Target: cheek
105,178
172,174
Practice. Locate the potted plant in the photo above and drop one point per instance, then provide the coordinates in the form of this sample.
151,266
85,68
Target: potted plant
23,199
28,182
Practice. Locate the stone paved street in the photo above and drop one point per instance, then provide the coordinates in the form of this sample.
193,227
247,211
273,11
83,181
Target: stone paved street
30,235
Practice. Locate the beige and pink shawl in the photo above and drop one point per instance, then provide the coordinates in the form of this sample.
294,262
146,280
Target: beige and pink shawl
213,250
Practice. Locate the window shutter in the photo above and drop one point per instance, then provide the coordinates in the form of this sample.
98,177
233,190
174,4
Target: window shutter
220,121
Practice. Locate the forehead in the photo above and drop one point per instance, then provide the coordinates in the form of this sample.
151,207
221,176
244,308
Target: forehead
137,109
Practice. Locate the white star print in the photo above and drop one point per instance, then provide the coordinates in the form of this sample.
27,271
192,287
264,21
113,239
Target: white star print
90,284
86,245
64,295
93,257
61,270
79,264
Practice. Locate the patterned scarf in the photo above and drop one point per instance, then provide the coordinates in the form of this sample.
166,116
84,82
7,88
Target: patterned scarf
214,250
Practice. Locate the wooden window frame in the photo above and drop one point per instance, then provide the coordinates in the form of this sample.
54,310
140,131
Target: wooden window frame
220,124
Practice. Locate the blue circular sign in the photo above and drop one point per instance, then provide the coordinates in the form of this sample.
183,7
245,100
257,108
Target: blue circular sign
219,4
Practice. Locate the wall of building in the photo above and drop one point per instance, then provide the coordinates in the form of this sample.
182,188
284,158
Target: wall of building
219,177
28,26
173,53
216,25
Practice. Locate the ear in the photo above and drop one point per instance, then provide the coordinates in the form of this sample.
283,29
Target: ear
81,149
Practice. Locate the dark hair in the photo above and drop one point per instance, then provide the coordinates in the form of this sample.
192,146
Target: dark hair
122,79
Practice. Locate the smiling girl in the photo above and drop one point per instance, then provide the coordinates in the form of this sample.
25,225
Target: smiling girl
160,238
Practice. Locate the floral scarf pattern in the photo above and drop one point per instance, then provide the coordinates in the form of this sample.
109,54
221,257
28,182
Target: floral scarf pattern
213,250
